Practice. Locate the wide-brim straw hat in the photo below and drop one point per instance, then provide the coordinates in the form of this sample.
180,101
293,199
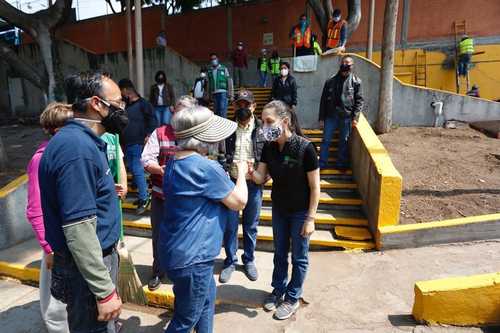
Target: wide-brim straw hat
212,130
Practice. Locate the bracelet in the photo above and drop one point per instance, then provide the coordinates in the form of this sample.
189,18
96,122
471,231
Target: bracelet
107,298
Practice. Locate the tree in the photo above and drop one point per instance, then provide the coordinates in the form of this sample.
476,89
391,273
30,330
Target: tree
387,72
323,12
171,6
40,26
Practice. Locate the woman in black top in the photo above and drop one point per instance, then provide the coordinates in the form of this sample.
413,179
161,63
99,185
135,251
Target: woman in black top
284,86
292,163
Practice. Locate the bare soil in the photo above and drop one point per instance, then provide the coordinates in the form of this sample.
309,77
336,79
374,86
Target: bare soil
447,173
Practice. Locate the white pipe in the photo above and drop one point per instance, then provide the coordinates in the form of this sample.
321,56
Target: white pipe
438,111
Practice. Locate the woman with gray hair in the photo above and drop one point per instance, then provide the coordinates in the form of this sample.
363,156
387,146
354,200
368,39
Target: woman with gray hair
198,196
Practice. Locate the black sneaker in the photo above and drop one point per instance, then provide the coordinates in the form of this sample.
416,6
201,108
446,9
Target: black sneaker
142,205
154,283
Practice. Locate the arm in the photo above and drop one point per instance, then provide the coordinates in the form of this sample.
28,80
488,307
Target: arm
259,176
123,175
149,157
343,35
313,181
237,199
358,102
293,85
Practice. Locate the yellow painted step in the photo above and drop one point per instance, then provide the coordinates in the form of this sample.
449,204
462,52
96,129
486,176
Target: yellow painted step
324,198
353,233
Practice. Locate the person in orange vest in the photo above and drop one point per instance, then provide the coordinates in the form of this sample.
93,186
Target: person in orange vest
336,32
301,37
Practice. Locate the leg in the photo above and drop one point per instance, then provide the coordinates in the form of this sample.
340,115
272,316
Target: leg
53,311
264,84
156,218
281,241
112,261
158,114
206,322
134,163
217,103
231,239
223,105
331,125
250,221
192,287
300,261
343,153
167,115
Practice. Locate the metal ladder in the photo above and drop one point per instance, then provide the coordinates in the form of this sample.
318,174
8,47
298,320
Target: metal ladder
421,69
459,29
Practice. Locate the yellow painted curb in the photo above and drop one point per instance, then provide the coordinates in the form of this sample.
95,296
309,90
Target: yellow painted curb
462,301
13,185
19,272
395,229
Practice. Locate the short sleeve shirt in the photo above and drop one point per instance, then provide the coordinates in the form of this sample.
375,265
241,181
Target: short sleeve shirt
112,152
76,183
194,218
290,192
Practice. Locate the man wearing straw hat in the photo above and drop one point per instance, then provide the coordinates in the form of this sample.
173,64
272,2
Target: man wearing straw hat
198,198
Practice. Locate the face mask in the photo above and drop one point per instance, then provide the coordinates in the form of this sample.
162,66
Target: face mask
203,75
215,62
284,72
116,120
345,68
126,99
303,23
161,80
272,133
243,114
240,48
336,18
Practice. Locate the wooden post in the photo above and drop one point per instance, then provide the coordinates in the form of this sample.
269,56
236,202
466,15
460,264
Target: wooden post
130,55
387,72
371,19
139,52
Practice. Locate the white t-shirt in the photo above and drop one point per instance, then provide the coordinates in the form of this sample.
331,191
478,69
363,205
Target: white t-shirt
198,89
160,94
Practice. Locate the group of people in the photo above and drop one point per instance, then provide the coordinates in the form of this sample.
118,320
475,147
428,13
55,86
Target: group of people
77,178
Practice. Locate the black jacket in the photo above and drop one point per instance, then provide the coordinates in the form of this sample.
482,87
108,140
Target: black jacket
286,92
257,140
350,100
167,94
141,122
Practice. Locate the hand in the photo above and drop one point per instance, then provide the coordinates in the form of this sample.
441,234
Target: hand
242,167
109,310
156,169
354,123
321,124
251,168
146,139
308,227
121,190
49,260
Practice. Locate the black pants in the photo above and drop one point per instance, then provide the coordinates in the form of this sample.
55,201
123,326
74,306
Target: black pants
156,218
69,287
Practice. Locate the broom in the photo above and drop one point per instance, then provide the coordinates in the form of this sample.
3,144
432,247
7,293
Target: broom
129,284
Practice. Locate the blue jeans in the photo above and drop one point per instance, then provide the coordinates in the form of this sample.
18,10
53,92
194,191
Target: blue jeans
250,221
133,157
332,123
194,305
220,104
463,64
263,78
163,115
288,227
69,287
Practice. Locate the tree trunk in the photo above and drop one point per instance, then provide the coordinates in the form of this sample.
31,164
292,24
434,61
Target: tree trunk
3,157
354,16
44,41
387,72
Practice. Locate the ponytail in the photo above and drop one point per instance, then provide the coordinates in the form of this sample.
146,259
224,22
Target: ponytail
283,111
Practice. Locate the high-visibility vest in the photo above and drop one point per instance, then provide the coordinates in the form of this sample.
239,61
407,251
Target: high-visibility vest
275,66
219,82
466,46
263,64
302,40
317,48
333,33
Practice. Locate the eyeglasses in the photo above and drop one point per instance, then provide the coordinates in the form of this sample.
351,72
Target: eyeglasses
119,104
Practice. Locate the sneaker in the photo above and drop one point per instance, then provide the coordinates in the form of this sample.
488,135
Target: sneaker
251,271
154,283
271,302
286,309
226,273
142,205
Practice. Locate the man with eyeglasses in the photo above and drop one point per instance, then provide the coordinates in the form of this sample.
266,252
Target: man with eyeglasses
142,123
81,213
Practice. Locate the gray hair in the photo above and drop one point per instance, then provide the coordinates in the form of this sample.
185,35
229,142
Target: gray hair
185,101
187,118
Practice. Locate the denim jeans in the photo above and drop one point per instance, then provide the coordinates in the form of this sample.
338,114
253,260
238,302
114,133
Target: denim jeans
220,104
133,157
263,78
332,123
69,287
463,64
156,218
250,221
238,76
286,228
194,304
163,115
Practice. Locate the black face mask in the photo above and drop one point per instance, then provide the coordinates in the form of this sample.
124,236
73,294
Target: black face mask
161,80
345,68
126,99
116,120
243,114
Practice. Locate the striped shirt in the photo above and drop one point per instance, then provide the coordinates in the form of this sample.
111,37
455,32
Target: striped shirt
243,147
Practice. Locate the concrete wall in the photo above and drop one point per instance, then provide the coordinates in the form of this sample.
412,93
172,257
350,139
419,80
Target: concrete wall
412,104
379,183
14,228
180,71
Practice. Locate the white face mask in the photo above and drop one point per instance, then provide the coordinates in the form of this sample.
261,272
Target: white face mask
284,72
336,18
240,47
203,75
272,132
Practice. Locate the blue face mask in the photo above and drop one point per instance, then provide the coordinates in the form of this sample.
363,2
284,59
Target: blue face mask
215,62
303,24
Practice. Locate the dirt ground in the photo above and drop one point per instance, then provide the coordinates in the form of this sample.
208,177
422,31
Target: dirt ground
447,173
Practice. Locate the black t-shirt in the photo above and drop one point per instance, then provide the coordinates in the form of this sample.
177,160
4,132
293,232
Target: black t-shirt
291,190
